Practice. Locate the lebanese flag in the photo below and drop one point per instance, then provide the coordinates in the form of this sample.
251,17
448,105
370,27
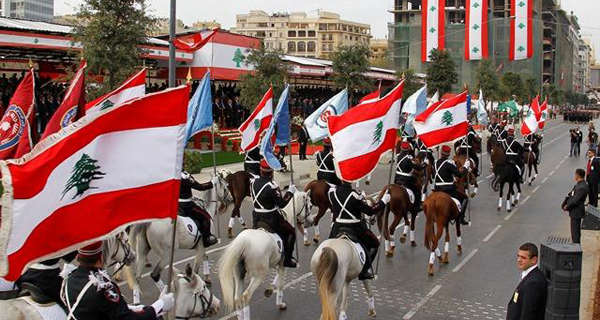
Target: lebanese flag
193,42
476,30
521,30
257,123
433,12
15,138
134,87
531,122
443,121
543,114
72,106
111,169
371,97
363,134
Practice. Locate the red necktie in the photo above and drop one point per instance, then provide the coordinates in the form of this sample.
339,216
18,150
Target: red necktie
589,167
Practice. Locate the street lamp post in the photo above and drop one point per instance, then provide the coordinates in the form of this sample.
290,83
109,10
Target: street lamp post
172,26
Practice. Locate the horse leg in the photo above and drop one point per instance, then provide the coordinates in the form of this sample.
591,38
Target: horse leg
279,298
255,282
202,257
317,234
475,185
320,214
412,230
500,196
393,226
518,198
508,197
142,249
305,237
344,302
406,228
458,239
446,244
370,298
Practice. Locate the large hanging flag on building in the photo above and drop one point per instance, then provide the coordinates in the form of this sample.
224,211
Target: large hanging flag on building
543,114
72,106
257,123
443,121
413,106
15,124
279,118
530,124
199,110
482,116
316,123
521,30
476,30
134,87
193,42
433,15
363,134
85,182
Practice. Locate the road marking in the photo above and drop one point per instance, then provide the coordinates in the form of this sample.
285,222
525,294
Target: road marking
551,172
510,215
544,181
557,166
535,189
421,303
490,235
526,199
491,175
465,260
561,161
480,181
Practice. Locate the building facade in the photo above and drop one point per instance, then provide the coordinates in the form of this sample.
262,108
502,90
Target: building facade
39,10
299,34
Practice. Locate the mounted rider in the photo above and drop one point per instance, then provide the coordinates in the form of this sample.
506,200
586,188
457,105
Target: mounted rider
188,208
422,149
325,163
531,143
348,207
252,162
267,200
444,172
501,133
404,172
89,293
514,151
464,147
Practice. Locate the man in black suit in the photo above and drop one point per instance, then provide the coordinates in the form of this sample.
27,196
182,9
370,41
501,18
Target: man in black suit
528,302
593,176
575,204
303,141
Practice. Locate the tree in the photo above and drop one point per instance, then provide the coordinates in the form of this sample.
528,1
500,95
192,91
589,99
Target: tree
269,69
441,72
412,83
487,80
532,89
513,87
111,32
350,65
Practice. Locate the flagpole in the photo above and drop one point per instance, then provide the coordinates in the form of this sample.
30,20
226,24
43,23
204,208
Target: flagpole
468,178
214,157
172,66
387,206
292,182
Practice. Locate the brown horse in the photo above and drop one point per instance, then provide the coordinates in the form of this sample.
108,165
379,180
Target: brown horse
317,191
467,180
440,209
238,184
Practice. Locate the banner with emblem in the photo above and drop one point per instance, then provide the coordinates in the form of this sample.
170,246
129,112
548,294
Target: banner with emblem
281,118
72,106
433,13
108,170
476,30
521,30
444,121
132,88
316,123
15,138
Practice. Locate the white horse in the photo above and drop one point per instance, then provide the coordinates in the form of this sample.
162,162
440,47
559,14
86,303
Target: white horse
156,236
193,299
334,264
254,252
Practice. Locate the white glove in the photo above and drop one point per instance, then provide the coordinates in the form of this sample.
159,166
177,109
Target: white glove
165,302
467,164
292,189
426,161
386,198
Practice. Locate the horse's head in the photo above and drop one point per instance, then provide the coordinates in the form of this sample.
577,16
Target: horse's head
224,173
117,250
193,299
224,196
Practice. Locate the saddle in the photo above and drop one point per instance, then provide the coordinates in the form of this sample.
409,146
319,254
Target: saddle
411,194
193,228
348,235
37,294
47,311
275,237
458,205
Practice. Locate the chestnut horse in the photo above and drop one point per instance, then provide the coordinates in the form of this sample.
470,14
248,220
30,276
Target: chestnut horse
238,184
317,191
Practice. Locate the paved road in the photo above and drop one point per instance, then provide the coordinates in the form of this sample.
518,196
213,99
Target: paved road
475,285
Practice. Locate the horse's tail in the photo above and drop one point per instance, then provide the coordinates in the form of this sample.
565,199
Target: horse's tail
230,273
429,210
385,230
325,273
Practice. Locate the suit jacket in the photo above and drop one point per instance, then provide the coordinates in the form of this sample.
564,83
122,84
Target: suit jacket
528,302
594,175
576,202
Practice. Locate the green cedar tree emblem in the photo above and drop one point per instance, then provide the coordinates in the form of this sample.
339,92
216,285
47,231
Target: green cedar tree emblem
521,49
256,124
475,50
377,135
521,25
85,170
447,118
238,58
432,30
475,26
106,104
433,8
36,40
521,4
476,5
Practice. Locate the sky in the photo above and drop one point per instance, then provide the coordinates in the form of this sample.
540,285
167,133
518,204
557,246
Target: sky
373,12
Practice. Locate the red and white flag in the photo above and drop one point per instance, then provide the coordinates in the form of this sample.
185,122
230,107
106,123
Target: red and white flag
521,30
15,138
543,114
433,13
257,123
114,168
443,121
193,42
363,134
72,106
134,87
476,30
531,122
371,97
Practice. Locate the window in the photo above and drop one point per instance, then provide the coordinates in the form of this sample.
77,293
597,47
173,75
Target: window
330,37
301,46
270,35
331,47
312,33
324,48
280,46
272,25
346,37
311,46
324,37
322,26
302,33
291,46
291,34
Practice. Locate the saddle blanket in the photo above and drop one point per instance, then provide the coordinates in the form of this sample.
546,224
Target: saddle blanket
47,311
359,250
411,195
458,205
276,238
190,226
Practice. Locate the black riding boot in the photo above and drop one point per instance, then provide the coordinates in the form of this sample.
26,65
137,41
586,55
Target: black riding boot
418,205
464,205
288,249
366,271
208,239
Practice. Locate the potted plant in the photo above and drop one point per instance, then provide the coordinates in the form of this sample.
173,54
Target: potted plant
229,145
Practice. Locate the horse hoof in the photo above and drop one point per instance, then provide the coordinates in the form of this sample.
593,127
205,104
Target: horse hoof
229,233
118,277
316,239
372,313
306,243
498,209
508,210
413,244
402,239
445,258
389,254
268,292
430,269
516,202
530,183
459,248
282,306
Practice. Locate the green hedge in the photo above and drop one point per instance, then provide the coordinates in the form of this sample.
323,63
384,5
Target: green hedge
192,161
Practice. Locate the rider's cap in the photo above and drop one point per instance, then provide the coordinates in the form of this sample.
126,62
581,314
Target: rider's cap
91,250
510,129
264,166
405,145
327,142
446,150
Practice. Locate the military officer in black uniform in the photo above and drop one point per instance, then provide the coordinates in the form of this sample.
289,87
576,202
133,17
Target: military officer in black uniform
529,143
188,208
422,148
501,134
267,201
348,207
514,151
404,172
325,163
89,294
444,171
464,147
252,162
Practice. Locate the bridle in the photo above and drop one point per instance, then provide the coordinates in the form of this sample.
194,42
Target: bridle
127,257
226,199
204,302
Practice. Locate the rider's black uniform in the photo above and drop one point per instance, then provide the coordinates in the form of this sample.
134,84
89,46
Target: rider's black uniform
252,162
514,152
444,172
529,144
326,167
464,147
422,148
348,207
404,176
187,207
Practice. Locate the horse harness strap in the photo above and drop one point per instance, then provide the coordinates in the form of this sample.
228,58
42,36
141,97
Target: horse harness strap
438,177
343,209
72,308
322,165
399,169
258,207
509,151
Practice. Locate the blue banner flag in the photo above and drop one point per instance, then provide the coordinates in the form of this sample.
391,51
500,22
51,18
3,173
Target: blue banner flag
482,116
414,105
200,114
316,123
266,145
